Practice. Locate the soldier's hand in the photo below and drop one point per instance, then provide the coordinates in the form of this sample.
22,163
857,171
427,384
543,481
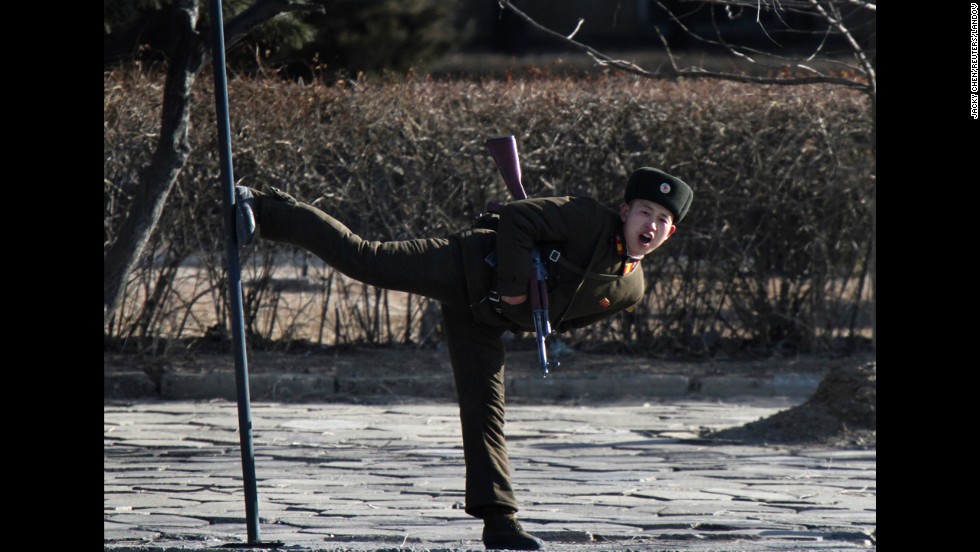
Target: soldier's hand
513,299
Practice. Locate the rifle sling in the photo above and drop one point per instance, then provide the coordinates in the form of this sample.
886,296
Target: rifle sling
586,274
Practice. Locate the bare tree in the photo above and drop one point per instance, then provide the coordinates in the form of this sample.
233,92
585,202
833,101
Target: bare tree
791,69
188,53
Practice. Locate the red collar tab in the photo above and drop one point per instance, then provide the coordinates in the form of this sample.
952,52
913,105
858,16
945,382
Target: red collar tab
630,263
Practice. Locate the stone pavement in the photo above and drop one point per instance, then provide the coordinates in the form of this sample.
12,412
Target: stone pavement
390,477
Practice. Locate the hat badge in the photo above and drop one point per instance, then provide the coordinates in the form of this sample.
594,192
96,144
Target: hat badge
664,188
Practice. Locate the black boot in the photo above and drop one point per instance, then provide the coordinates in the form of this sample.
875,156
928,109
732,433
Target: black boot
503,532
245,214
247,209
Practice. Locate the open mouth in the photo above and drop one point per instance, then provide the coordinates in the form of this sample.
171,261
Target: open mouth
646,238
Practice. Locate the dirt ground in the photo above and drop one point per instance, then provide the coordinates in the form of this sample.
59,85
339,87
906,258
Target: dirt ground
419,361
841,414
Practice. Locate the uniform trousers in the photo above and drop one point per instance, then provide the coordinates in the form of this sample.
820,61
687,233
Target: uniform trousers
432,268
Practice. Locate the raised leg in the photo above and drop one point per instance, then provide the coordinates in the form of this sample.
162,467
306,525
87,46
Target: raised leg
428,267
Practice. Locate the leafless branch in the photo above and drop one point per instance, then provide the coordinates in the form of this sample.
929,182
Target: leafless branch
864,5
237,27
782,5
758,16
858,50
744,51
670,54
820,46
600,58
721,38
675,71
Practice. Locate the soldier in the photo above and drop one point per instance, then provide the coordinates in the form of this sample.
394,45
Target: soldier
593,253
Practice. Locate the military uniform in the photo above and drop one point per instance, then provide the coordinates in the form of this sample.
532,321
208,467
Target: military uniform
590,279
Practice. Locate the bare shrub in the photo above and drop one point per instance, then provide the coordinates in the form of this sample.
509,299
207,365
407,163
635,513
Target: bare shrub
772,256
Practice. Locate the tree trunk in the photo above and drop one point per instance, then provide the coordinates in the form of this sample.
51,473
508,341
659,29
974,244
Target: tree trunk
874,196
157,178
874,228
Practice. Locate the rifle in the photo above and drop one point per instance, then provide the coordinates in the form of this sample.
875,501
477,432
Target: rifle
504,152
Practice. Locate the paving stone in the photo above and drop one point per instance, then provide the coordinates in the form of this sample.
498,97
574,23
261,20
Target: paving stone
794,535
205,537
621,501
284,534
760,473
565,515
416,506
566,535
787,459
170,488
325,425
442,453
714,523
752,495
139,501
677,494
171,443
392,477
231,517
156,520
849,516
720,508
842,455
206,509
449,514
810,497
356,534
592,490
335,523
234,529
803,518
129,534
115,526
306,501
856,486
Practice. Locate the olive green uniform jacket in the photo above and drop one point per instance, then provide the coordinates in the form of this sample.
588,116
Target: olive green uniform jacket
577,239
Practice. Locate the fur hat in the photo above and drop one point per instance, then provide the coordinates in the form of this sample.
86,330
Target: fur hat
659,187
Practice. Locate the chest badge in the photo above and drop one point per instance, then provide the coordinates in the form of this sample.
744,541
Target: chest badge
604,302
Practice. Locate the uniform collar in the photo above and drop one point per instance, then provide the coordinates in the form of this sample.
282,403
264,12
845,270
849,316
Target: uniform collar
621,248
629,262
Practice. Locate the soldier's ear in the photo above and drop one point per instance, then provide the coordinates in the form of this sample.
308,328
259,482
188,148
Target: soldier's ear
624,210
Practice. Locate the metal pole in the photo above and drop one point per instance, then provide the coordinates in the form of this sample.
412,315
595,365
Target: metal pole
234,273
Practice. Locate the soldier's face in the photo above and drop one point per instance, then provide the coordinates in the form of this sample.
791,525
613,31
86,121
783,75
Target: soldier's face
646,226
